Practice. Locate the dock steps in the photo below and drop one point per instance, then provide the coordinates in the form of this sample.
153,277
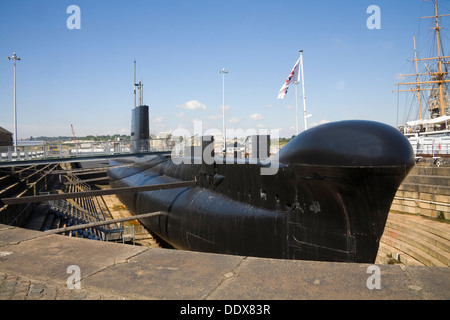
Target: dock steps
415,240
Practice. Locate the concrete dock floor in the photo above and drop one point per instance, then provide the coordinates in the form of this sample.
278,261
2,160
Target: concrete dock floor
34,265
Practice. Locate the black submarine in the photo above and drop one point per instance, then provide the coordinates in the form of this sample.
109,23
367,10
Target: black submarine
327,199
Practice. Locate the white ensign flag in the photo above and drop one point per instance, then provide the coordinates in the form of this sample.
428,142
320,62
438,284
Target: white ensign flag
293,76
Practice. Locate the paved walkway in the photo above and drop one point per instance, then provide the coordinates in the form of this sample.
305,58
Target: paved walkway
34,265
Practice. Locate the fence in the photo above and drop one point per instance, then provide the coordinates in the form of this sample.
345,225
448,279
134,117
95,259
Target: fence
76,150
435,147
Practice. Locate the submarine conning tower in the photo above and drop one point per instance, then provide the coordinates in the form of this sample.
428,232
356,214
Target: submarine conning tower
140,129
140,124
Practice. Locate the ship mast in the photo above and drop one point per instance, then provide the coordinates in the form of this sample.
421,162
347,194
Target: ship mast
417,80
438,78
440,74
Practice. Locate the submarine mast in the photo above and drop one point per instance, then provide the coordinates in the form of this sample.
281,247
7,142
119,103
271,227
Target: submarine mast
140,127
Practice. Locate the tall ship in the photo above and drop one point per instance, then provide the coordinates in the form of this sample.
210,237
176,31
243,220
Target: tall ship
428,126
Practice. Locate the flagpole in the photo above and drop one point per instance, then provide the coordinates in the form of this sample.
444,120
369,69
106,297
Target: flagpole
303,88
296,100
296,106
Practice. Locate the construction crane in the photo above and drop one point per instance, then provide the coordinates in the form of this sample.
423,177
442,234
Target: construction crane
73,134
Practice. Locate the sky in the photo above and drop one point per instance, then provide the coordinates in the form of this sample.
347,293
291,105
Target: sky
84,76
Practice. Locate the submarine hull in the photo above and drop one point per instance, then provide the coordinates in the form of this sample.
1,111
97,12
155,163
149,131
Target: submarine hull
326,201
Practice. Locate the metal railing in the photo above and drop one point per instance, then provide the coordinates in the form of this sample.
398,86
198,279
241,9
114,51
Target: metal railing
434,147
82,149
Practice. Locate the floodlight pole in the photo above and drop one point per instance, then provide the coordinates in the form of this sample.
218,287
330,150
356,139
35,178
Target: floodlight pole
134,84
15,58
223,71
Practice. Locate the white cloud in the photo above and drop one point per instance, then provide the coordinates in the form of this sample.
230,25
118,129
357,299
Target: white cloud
288,106
256,116
220,114
158,119
215,117
192,105
340,85
234,120
227,108
318,123
180,115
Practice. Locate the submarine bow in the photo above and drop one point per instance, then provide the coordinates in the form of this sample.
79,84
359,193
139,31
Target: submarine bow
328,199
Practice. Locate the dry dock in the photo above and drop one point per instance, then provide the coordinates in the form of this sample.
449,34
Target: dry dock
34,265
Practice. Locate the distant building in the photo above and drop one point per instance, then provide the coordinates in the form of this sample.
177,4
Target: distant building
6,139
237,147
164,135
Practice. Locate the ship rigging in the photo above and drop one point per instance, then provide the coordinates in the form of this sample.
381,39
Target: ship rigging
431,76
429,132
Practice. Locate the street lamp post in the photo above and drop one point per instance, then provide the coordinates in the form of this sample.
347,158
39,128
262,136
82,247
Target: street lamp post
15,58
223,71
